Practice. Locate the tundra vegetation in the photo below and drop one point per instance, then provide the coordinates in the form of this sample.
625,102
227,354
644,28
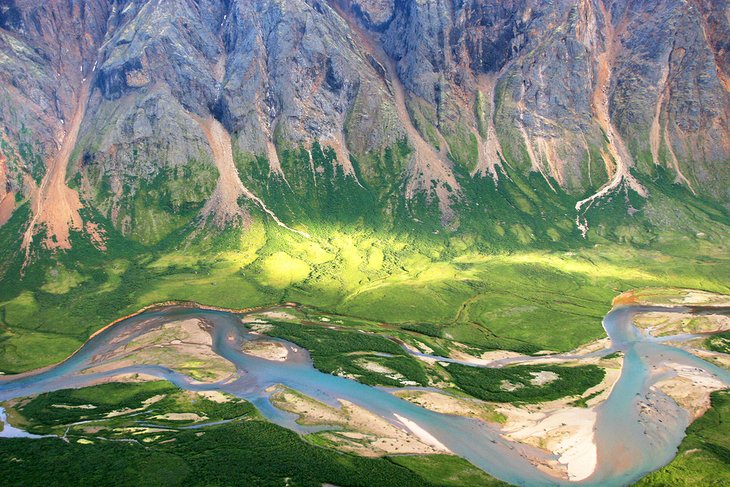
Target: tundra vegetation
541,296
522,383
516,275
117,434
488,190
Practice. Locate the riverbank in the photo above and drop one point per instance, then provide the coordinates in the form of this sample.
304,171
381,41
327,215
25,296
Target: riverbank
563,427
358,430
672,298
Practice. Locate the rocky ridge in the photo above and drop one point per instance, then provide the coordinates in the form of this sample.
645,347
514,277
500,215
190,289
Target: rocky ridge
109,108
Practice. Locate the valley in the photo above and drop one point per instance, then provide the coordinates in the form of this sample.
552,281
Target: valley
414,316
335,410
364,243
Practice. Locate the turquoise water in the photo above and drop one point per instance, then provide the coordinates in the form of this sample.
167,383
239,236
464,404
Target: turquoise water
637,444
9,431
625,450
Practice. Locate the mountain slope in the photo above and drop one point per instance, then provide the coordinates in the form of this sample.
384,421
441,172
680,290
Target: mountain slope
475,115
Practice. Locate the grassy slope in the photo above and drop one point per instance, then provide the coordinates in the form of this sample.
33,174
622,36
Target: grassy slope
516,275
522,299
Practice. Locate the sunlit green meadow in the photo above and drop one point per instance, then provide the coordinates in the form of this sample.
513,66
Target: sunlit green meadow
522,299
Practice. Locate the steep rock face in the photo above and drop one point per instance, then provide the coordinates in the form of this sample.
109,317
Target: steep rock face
671,63
590,95
146,163
538,69
49,51
293,76
575,90
505,76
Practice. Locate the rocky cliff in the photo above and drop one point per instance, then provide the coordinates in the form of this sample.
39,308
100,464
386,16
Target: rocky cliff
149,116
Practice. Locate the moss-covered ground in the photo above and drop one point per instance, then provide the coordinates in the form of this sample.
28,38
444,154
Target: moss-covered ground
510,272
524,299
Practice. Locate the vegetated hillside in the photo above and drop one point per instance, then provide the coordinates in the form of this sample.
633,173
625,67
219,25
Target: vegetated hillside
516,118
501,169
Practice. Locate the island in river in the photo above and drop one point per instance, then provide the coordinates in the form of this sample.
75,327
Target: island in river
605,414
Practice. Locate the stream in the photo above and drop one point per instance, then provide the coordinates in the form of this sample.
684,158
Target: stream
629,444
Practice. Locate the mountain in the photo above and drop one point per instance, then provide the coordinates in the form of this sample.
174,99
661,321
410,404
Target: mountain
490,116
382,190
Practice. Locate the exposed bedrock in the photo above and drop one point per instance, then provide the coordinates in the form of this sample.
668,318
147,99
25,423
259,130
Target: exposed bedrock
590,95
